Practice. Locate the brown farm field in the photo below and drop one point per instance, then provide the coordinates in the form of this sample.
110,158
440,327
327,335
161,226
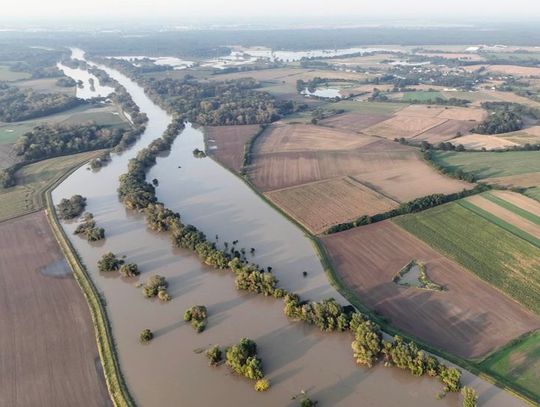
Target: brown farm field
342,174
319,205
50,356
354,121
404,126
469,319
226,143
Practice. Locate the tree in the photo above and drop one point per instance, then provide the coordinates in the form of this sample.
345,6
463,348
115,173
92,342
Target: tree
109,262
71,208
262,384
197,315
146,336
129,270
242,359
154,285
214,355
470,398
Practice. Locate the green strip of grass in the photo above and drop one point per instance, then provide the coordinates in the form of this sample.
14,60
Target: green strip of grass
490,251
513,208
518,361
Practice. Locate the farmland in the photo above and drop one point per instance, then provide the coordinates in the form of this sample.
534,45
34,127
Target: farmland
368,175
482,245
33,179
470,318
519,362
52,358
226,143
6,74
514,168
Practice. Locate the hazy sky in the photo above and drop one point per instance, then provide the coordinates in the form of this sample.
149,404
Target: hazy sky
406,9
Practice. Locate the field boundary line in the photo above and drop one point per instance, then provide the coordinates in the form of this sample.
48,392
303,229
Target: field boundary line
114,379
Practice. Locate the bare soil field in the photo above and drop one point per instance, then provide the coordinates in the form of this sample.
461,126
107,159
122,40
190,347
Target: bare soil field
226,143
404,126
528,180
354,121
479,141
319,205
447,131
391,169
420,111
470,318
281,138
49,355
514,70
506,215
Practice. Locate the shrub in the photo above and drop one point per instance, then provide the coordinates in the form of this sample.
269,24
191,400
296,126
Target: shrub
262,384
155,284
129,270
109,262
470,398
197,315
214,355
146,336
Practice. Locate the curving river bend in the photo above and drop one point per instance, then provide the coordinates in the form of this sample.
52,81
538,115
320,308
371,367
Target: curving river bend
295,356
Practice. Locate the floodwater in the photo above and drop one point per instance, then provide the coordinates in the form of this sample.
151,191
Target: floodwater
174,62
291,56
168,371
87,90
327,93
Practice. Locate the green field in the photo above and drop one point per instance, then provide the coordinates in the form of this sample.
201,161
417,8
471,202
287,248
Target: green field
104,116
513,208
486,165
533,193
487,249
422,96
33,179
7,75
518,362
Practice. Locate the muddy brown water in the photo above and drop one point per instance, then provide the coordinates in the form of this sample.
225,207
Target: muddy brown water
296,357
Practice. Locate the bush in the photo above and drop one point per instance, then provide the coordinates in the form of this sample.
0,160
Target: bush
242,359
109,262
197,315
470,398
146,336
262,384
129,270
154,285
71,208
214,355
88,229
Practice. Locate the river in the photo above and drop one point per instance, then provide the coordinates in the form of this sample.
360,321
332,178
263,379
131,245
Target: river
168,371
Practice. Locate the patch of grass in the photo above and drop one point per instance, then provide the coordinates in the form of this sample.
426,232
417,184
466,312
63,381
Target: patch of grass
513,208
485,248
423,96
490,164
519,361
7,75
33,180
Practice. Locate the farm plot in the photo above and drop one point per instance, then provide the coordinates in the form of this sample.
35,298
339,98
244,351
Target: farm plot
50,356
403,126
33,179
319,205
519,363
480,141
226,143
447,131
470,318
485,246
353,121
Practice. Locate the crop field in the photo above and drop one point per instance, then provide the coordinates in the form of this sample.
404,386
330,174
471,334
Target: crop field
391,169
403,126
423,96
46,325
33,179
469,318
446,131
226,143
519,363
319,205
353,121
514,70
479,141
8,75
495,251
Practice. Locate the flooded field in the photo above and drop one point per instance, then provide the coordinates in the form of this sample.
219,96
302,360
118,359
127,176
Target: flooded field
168,371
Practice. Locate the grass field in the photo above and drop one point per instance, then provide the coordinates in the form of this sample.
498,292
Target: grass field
487,165
7,75
32,180
489,250
422,96
519,362
533,193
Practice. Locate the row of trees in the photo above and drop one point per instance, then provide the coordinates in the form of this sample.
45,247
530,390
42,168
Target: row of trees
23,104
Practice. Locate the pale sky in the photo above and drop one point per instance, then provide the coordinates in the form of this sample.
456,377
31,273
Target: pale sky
180,9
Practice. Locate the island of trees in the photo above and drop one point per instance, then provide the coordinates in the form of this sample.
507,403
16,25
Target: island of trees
71,208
